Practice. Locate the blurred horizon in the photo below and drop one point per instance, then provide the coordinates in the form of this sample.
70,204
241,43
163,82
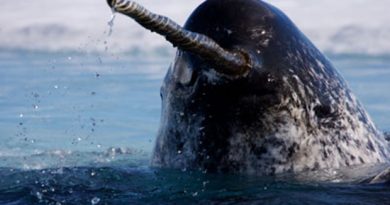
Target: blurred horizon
347,27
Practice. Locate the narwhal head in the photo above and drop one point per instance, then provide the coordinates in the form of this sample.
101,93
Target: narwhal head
220,82
247,91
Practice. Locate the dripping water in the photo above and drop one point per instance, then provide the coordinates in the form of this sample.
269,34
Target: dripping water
111,22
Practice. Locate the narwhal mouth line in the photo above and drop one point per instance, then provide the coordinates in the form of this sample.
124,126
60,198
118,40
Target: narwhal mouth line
235,63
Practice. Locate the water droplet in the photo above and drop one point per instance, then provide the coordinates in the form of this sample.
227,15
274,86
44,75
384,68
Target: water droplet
111,22
79,139
21,115
55,86
39,195
182,114
93,174
95,200
36,107
179,151
99,146
70,58
195,194
100,61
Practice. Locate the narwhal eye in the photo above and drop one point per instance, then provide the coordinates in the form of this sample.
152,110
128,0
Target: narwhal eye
162,92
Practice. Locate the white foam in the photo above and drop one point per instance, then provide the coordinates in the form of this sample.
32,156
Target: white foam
349,26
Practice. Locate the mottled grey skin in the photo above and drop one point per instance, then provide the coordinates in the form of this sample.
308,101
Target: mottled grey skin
293,112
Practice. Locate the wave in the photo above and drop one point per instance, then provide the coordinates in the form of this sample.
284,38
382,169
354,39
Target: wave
358,27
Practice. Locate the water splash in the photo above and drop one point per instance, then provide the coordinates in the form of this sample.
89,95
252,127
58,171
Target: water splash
95,200
111,22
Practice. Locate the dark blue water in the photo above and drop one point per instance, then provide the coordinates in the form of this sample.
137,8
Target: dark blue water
79,128
134,185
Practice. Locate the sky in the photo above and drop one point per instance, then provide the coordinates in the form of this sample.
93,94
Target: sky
348,26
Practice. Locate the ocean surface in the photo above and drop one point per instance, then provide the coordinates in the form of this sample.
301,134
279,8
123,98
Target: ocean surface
80,109
79,128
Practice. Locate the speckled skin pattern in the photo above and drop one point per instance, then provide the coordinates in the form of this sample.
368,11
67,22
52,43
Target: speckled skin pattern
293,112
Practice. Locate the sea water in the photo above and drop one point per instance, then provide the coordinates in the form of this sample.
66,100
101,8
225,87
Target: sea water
79,128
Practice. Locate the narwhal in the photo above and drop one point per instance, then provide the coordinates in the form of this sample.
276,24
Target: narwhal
249,93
